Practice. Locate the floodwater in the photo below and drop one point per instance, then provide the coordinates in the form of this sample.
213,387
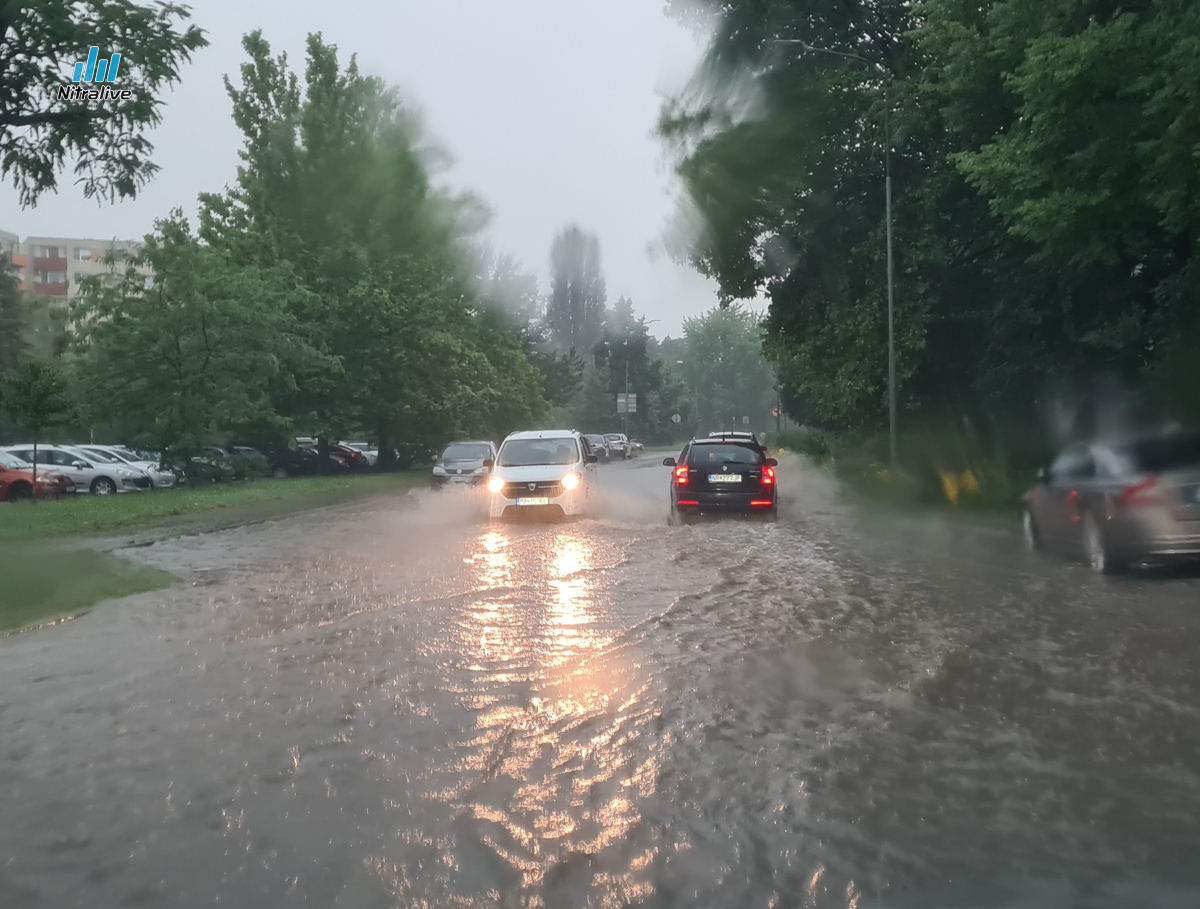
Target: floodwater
390,704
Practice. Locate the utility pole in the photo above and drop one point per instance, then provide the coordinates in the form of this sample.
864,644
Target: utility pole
627,389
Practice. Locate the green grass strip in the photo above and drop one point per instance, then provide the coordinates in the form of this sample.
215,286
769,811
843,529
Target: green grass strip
42,583
88,514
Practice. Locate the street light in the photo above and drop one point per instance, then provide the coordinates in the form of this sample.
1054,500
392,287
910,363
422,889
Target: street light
887,142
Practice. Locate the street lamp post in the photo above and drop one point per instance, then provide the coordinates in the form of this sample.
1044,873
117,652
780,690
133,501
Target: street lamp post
891,284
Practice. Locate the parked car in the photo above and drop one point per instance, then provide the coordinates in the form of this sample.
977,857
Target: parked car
301,462
87,474
17,481
160,477
245,462
1118,503
104,456
101,457
635,446
597,445
463,464
543,474
357,460
618,444
369,451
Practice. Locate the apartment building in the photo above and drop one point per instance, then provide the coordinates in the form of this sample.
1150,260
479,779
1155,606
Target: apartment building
54,267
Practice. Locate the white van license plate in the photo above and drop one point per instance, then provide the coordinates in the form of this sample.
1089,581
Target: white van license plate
536,500
724,478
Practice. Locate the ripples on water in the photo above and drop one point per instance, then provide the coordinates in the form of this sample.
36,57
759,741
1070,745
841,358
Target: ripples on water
407,708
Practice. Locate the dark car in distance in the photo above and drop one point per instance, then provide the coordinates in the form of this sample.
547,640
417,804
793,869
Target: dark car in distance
719,476
466,463
1115,504
598,445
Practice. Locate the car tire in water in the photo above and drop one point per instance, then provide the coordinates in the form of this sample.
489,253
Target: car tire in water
19,492
103,486
1030,532
679,518
1095,547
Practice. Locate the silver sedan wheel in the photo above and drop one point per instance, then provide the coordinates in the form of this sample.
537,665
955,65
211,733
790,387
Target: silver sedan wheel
1030,532
103,487
1093,545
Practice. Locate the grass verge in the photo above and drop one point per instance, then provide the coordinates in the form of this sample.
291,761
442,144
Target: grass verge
939,467
40,580
81,515
41,583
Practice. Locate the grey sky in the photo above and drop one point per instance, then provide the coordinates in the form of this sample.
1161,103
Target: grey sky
547,107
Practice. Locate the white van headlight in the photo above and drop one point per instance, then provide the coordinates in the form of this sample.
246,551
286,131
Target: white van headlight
571,481
495,484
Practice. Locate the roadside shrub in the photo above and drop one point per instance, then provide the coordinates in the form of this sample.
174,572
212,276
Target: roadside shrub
812,444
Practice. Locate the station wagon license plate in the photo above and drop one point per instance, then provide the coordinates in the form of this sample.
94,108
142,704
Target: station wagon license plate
535,500
724,478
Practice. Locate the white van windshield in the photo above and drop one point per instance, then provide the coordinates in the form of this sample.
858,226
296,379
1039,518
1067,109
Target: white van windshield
534,452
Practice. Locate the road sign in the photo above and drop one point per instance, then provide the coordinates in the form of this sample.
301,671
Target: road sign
622,403
745,421
676,419
632,403
776,412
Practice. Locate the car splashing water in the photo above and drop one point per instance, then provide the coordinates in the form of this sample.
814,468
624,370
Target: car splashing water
394,704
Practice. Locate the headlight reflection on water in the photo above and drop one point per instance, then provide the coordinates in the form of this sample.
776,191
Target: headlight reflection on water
555,767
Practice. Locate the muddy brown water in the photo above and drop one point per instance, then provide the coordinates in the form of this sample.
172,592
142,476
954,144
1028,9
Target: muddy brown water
388,703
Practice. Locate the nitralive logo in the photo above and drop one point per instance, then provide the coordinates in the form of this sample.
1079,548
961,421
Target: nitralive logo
95,71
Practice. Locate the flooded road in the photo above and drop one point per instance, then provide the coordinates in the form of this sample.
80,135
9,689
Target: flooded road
388,704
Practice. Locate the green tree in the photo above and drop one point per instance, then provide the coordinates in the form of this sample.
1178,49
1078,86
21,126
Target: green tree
1044,210
12,341
725,366
335,181
40,41
36,396
206,348
575,309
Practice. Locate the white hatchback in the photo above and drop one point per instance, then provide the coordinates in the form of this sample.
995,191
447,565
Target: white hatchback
543,474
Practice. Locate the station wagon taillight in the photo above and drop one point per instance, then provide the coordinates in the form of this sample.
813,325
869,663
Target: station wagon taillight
768,476
1140,495
681,475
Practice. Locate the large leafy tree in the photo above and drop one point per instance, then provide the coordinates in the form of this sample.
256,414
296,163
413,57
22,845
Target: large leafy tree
208,347
725,366
335,180
1044,160
40,41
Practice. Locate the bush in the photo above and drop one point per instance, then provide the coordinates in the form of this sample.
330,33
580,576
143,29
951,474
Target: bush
810,443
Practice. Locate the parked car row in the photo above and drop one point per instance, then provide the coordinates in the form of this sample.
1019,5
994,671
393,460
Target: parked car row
95,469
610,446
111,469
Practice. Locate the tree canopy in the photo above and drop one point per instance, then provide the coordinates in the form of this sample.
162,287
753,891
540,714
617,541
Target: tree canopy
330,291
40,41
1044,154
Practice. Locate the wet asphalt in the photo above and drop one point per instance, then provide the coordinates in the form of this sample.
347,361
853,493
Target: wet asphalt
390,703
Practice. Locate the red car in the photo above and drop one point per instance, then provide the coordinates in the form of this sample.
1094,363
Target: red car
16,480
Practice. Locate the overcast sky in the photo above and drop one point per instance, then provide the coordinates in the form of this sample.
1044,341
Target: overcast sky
546,106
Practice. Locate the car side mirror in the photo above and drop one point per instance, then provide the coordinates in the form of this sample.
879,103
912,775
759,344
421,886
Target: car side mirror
1043,476
80,465
489,463
593,459
771,462
668,462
